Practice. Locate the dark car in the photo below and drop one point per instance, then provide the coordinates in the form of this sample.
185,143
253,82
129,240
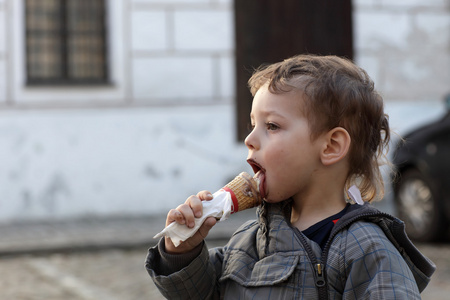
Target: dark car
422,182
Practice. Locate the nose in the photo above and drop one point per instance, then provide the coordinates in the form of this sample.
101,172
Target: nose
251,141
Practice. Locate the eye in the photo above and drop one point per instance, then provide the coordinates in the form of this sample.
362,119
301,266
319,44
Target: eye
271,126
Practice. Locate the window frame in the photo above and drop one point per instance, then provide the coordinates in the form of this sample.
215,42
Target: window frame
117,92
64,79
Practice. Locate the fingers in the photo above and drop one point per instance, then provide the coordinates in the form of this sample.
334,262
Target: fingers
193,241
175,216
196,205
205,195
185,214
191,209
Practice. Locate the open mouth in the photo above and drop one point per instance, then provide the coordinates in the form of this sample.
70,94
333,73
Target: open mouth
255,166
260,173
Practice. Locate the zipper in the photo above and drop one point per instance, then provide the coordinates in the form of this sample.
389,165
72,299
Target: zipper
320,279
319,274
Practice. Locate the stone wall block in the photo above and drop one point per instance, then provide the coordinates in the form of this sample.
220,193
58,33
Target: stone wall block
227,74
149,30
177,78
377,30
203,30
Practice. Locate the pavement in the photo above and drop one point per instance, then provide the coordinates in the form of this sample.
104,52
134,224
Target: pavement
102,258
96,233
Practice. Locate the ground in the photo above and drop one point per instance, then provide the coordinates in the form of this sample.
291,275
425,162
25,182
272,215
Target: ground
120,275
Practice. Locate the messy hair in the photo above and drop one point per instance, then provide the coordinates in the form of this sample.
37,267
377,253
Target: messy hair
337,94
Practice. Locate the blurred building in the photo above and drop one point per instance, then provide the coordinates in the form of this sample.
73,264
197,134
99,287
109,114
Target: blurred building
113,107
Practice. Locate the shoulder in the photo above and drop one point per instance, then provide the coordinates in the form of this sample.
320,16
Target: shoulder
359,245
363,250
364,237
365,227
364,262
369,243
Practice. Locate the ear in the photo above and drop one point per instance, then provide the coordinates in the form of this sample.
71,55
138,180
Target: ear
336,146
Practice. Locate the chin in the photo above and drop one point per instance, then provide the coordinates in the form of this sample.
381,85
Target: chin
271,200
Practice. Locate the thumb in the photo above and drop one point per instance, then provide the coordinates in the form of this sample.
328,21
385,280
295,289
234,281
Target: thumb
206,227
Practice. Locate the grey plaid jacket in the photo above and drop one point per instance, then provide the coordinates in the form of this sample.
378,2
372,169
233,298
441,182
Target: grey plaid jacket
368,256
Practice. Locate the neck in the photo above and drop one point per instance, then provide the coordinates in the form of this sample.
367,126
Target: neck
322,197
317,204
309,215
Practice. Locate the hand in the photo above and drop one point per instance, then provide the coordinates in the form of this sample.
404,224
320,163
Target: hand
186,214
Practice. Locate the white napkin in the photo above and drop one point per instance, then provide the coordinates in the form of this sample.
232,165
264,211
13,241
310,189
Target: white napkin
219,207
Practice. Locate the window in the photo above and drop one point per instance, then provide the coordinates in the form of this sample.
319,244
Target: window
65,42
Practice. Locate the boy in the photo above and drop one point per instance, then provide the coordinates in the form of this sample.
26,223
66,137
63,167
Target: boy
318,129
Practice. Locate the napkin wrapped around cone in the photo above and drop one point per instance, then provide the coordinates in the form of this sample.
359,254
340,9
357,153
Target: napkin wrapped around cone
239,194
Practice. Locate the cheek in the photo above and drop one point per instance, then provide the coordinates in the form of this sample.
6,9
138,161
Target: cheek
284,154
277,156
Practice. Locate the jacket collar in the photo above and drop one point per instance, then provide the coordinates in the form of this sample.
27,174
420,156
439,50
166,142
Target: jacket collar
275,231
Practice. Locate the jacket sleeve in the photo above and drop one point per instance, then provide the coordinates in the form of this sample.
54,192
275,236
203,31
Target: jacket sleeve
198,280
373,267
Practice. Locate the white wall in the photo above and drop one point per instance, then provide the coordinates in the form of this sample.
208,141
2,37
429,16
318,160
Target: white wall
108,161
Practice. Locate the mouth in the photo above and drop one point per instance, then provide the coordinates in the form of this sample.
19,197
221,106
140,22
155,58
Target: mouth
260,174
255,166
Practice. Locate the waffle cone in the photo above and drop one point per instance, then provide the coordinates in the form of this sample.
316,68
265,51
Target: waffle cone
246,192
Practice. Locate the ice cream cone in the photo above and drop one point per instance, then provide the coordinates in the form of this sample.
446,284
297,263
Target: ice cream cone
244,190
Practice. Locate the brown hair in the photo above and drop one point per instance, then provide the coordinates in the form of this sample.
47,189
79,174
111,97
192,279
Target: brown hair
338,94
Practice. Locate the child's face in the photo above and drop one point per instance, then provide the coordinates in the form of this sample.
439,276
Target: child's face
280,145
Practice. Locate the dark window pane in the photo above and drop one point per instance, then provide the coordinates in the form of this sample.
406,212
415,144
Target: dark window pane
85,39
43,39
44,57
